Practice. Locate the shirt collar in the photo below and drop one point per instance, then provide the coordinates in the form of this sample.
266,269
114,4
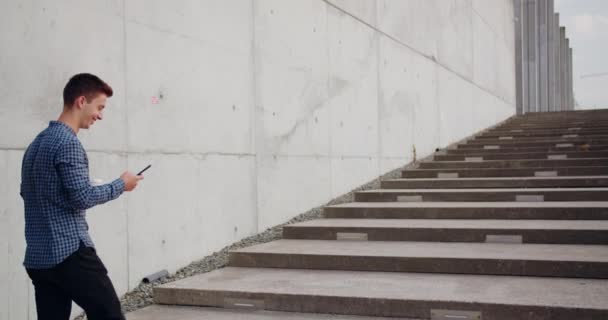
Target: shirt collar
55,123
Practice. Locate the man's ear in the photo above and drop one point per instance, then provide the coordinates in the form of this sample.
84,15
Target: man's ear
81,101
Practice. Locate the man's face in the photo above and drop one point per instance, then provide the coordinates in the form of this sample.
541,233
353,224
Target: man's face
92,111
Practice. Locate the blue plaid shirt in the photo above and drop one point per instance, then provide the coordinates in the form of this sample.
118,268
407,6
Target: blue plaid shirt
56,191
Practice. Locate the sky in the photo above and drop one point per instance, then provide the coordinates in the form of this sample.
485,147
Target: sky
586,23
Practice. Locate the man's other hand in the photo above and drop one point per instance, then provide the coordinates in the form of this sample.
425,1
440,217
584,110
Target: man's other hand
130,180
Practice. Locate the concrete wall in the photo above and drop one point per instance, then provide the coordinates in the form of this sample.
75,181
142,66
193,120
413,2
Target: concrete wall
249,111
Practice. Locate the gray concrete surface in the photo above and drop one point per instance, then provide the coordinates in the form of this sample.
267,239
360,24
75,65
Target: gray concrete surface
490,194
247,95
579,210
553,260
392,294
439,230
498,182
158,312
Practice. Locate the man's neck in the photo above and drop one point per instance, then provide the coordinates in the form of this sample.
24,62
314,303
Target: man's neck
70,120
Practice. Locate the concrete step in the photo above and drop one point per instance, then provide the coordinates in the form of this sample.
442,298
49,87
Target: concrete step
564,210
552,125
514,139
520,133
534,163
392,294
539,125
533,143
518,156
505,172
561,118
566,148
593,114
496,182
484,195
565,117
446,230
566,136
159,312
542,260
548,144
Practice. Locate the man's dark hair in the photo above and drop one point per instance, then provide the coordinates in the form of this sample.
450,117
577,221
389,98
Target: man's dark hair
84,84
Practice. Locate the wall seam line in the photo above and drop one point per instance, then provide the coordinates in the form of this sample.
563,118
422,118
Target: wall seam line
254,128
329,115
128,237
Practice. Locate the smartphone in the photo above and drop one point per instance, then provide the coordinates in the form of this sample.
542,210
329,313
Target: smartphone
142,171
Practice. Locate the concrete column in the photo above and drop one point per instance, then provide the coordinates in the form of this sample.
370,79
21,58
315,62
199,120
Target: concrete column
543,56
556,54
571,72
567,87
525,65
562,68
551,54
517,9
569,76
532,31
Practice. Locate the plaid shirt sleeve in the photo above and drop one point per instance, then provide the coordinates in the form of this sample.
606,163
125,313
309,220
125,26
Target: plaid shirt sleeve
73,170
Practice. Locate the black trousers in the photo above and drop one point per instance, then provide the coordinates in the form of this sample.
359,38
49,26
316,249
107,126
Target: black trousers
81,278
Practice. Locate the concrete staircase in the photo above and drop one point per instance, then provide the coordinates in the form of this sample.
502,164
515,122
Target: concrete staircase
512,224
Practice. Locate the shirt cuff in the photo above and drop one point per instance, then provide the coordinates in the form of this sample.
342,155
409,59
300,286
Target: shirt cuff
118,187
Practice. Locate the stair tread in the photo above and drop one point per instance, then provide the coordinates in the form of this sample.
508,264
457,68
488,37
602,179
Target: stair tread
510,169
163,312
505,204
512,290
502,178
434,250
493,190
521,160
496,224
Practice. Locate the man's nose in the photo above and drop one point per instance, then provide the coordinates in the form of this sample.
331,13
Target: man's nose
100,116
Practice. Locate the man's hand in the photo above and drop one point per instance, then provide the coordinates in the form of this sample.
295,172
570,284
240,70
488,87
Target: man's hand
130,180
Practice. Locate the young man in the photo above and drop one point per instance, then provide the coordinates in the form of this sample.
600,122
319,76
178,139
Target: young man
55,186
